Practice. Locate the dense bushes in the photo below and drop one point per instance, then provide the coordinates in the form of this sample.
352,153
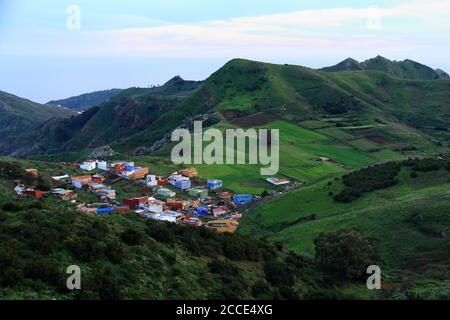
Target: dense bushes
383,176
346,252
127,257
426,165
368,179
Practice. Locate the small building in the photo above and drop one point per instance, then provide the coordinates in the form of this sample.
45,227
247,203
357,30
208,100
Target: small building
19,189
121,209
162,182
96,186
175,205
198,192
79,182
226,195
136,203
36,194
167,216
61,178
88,165
107,193
155,205
134,173
166,193
189,172
103,165
66,195
104,211
219,211
202,211
140,173
242,198
175,177
222,226
183,184
151,180
278,181
214,184
98,179
33,172
193,221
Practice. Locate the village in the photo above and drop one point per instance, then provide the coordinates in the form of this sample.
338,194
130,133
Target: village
182,197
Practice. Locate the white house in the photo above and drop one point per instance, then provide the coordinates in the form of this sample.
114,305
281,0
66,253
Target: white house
166,193
168,216
151,180
59,178
175,177
102,165
155,206
88,165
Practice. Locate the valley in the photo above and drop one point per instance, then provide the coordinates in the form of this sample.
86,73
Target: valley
333,122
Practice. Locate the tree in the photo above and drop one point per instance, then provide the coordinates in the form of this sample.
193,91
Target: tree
347,252
132,237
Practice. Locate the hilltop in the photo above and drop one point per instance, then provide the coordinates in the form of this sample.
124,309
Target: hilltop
407,69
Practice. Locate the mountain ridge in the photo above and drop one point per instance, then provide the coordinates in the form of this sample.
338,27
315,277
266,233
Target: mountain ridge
85,101
406,69
137,118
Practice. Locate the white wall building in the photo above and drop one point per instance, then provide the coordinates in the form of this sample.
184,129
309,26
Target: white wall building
103,165
155,206
151,180
88,165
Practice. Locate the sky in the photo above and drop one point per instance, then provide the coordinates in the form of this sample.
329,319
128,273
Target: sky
52,49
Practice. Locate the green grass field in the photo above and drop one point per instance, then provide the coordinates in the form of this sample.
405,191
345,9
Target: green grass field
386,214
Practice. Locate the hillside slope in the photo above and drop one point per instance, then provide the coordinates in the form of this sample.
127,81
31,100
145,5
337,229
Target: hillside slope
409,219
85,101
129,257
123,115
18,115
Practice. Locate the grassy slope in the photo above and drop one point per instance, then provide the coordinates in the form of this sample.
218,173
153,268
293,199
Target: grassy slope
18,115
385,214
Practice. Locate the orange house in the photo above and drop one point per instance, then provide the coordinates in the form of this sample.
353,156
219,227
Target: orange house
140,174
98,179
33,172
82,179
34,194
189,172
175,205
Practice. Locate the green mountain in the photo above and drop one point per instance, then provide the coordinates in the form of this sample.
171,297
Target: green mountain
253,93
406,69
18,115
85,101
127,113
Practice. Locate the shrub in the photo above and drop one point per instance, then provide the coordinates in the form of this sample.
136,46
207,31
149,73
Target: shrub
346,252
132,237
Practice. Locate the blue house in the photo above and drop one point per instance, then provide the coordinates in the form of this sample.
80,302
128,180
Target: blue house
104,210
242,198
183,184
214,184
201,211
